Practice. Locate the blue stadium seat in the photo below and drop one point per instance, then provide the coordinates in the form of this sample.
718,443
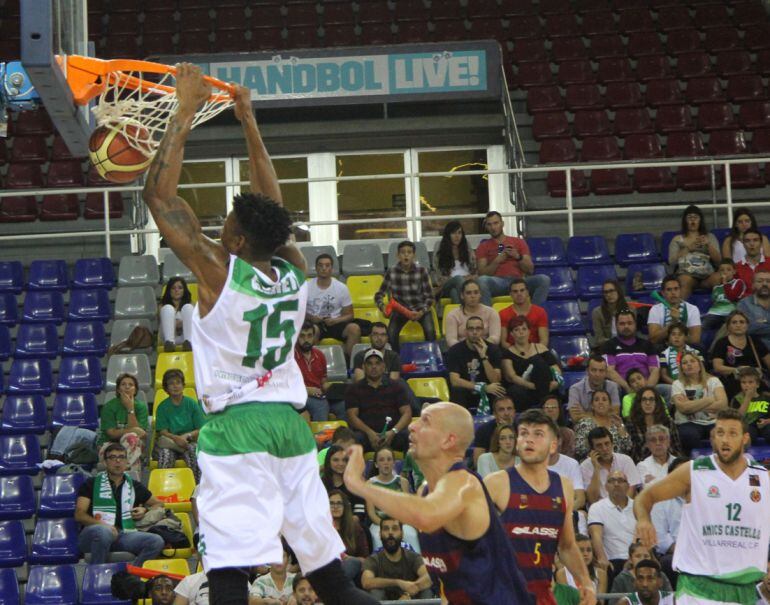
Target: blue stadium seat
665,240
75,409
5,342
96,584
562,284
11,276
23,414
58,495
13,545
570,346
9,312
89,305
84,338
30,376
571,378
9,587
17,497
702,300
19,455
93,273
54,541
80,374
52,585
48,275
564,317
590,279
635,248
547,251
426,356
34,341
652,275
43,306
587,250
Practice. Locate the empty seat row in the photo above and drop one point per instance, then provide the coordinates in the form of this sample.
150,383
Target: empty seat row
27,414
60,207
54,275
57,496
362,259
47,306
35,340
34,376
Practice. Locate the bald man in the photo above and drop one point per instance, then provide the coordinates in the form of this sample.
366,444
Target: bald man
463,544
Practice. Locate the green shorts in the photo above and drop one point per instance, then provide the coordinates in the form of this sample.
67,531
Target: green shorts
702,588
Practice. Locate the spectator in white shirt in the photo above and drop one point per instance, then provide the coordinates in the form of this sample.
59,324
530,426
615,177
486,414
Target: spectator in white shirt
569,468
655,466
192,590
602,461
673,309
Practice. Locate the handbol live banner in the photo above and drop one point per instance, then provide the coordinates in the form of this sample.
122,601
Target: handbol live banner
409,72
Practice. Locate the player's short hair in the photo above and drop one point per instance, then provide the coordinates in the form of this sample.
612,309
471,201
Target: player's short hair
732,414
263,223
599,432
649,564
323,256
539,417
406,244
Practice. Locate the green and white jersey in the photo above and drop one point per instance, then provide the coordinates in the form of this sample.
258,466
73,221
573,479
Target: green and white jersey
725,528
664,598
244,347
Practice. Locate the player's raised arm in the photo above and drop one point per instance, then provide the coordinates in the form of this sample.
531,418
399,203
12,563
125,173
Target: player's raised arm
676,483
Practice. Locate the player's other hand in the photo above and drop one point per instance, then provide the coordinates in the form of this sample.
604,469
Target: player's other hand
645,533
191,89
242,100
354,471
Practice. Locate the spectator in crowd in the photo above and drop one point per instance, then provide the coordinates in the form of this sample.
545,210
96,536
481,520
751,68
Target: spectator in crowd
627,350
331,475
754,260
625,581
455,263
378,408
312,364
598,574
502,453
530,370
379,341
409,284
341,436
178,419
471,306
552,407
352,533
757,308
724,296
666,517
694,253
649,587
603,316
673,309
176,311
329,306
395,573
658,442
504,257
275,587
670,356
611,524
522,306
602,461
474,367
737,350
580,393
568,467
732,247
637,382
302,591
108,506
600,415
753,403
648,410
504,412
161,590
697,396
192,590
123,419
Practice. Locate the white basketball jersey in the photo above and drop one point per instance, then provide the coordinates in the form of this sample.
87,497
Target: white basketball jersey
725,528
244,347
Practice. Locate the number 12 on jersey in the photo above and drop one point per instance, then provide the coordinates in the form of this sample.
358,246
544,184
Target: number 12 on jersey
266,322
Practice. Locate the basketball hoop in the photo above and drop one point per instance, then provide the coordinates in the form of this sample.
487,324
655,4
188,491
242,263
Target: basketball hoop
136,98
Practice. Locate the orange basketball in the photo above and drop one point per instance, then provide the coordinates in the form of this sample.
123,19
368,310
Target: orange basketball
114,159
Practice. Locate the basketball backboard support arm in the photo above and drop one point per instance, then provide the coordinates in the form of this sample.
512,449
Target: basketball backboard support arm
50,28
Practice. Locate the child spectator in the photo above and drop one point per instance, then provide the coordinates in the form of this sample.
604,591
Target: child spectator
753,404
677,346
724,296
636,381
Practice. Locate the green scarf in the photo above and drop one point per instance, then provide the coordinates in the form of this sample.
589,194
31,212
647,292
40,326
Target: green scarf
104,505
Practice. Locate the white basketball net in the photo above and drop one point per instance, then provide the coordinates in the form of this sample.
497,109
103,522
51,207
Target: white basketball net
141,111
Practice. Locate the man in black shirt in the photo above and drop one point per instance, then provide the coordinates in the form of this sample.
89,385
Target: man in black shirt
107,507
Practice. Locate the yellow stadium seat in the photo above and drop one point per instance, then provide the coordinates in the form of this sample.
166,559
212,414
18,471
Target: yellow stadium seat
499,306
179,361
435,388
173,486
182,553
371,314
447,309
502,299
193,288
317,427
363,288
413,332
329,341
396,456
445,302
176,566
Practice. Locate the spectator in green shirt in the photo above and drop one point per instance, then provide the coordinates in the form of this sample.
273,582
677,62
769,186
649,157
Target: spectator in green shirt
124,420
177,422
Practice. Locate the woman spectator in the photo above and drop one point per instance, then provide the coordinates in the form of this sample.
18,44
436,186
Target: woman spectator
553,408
694,253
455,262
732,247
123,419
697,396
331,474
177,422
352,534
176,311
502,451
600,415
530,370
597,574
737,350
603,316
624,582
470,294
648,409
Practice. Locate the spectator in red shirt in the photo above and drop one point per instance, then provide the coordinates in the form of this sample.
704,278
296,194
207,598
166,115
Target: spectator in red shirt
754,259
536,316
502,257
312,364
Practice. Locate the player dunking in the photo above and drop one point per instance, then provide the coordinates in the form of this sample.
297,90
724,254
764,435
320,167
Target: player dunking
721,550
536,510
257,455
463,544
